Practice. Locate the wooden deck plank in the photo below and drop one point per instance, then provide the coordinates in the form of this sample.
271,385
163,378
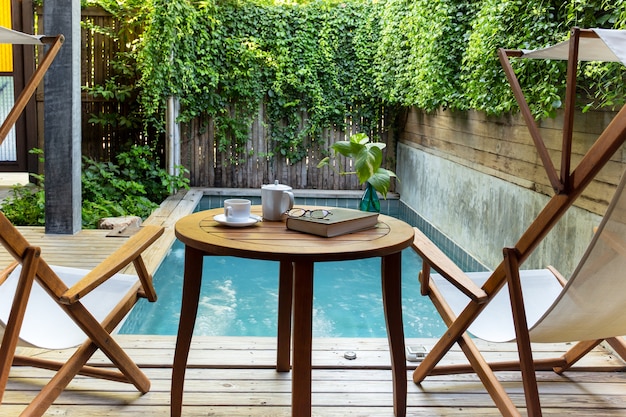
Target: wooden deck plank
336,392
234,376
259,352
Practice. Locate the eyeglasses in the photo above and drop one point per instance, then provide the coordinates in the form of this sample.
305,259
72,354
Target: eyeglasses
314,214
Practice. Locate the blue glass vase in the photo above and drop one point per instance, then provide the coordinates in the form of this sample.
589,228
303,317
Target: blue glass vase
370,201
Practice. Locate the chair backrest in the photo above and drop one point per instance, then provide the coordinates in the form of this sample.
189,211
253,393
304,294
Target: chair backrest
592,304
11,238
16,244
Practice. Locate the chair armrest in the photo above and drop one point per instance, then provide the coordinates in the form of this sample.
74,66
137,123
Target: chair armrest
559,277
129,252
435,258
4,274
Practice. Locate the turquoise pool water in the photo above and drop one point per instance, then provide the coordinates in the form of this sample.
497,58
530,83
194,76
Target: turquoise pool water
239,297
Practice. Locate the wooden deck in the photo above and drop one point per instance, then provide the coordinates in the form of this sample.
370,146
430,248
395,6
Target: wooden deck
234,376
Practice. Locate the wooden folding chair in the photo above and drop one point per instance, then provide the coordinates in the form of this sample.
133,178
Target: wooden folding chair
481,291
61,306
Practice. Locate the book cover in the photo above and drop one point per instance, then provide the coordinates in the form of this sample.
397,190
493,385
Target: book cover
342,221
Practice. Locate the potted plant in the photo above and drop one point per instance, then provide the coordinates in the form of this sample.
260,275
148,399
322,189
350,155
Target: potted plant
368,157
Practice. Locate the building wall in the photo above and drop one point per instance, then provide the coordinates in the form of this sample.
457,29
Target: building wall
6,55
477,181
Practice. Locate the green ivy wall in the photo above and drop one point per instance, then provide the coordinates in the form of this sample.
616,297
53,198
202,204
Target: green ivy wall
333,58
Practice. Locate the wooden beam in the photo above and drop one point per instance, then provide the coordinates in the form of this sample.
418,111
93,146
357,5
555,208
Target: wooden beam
548,165
31,86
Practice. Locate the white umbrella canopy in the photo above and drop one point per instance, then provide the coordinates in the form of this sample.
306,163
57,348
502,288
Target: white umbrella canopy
609,46
14,37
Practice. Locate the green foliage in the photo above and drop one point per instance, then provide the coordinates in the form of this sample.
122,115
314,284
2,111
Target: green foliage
134,186
25,206
512,24
368,158
311,64
443,53
603,85
121,85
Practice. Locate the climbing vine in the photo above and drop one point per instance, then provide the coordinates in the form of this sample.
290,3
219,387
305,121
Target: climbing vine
313,64
309,64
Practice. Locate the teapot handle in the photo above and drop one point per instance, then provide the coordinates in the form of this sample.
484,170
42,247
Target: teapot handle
291,199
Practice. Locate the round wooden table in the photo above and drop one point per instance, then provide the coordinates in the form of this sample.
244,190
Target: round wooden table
297,252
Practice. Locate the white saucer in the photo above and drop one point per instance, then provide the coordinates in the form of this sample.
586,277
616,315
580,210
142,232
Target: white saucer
221,219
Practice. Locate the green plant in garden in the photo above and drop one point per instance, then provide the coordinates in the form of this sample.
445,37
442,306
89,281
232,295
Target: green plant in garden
136,185
367,157
25,206
308,66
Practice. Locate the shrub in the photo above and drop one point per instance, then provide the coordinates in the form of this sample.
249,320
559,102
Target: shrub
134,186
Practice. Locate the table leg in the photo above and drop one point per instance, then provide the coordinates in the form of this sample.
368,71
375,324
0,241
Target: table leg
302,335
285,297
392,302
189,308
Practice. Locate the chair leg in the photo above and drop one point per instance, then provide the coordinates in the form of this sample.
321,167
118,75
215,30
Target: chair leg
67,371
443,345
65,375
99,335
488,377
575,353
59,381
16,317
619,345
524,349
477,362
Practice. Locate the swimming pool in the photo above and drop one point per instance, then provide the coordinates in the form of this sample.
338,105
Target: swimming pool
239,297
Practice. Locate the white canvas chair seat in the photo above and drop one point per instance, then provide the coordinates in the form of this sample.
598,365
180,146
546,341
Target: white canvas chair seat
45,324
495,323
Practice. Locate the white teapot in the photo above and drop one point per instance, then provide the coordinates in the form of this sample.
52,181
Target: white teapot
276,200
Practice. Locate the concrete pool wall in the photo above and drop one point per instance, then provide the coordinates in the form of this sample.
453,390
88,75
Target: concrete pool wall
482,213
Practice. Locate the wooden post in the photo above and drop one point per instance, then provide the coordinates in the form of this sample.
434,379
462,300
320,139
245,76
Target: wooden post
62,121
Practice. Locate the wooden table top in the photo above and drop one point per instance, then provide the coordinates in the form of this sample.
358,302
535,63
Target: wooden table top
273,241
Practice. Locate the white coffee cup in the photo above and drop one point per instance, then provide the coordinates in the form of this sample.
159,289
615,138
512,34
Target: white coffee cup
237,210
276,199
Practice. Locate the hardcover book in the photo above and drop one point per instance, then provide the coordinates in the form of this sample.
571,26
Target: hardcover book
342,221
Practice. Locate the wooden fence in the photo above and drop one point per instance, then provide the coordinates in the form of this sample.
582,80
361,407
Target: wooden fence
210,167
98,52
502,147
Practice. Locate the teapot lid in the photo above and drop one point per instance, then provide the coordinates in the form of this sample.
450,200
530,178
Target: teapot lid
276,186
